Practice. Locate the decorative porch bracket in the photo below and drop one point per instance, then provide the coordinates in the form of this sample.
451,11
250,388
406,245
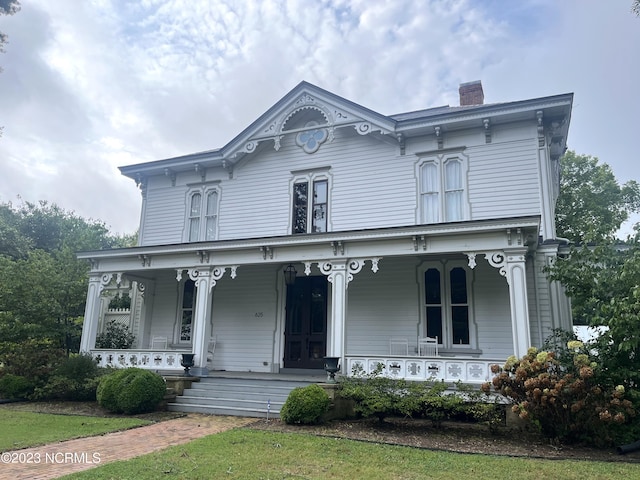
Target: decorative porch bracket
512,266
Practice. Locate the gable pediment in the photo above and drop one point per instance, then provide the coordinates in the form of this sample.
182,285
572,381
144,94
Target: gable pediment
312,115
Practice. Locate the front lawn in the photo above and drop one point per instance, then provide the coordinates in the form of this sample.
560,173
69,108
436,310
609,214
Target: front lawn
252,454
27,429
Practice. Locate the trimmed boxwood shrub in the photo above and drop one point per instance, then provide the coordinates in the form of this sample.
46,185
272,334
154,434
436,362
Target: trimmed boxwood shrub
131,390
305,405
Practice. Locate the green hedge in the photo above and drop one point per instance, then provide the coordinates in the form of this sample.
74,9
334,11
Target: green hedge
131,390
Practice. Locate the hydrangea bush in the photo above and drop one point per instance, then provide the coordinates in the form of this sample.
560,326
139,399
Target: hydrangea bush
565,399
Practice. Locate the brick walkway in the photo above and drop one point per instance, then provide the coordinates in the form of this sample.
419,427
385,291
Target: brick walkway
63,458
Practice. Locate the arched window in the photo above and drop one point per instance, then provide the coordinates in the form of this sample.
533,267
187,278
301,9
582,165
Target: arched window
202,215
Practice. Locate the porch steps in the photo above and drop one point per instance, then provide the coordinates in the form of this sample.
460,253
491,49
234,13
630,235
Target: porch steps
242,397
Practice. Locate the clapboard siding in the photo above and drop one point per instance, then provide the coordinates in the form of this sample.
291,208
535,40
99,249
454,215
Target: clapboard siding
492,312
539,302
164,215
165,304
382,305
244,320
504,180
372,186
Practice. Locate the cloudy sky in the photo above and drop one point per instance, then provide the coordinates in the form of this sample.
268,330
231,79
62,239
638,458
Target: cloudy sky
92,85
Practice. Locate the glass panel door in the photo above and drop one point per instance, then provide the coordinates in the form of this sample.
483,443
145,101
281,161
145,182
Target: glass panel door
306,325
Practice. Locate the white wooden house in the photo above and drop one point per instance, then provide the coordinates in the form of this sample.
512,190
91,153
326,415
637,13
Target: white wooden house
391,228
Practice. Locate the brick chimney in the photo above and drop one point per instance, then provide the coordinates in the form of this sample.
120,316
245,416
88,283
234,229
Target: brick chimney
471,93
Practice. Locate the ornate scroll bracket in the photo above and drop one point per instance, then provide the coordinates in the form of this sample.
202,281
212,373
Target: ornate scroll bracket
471,256
518,237
337,247
105,279
212,273
202,171
400,138
439,137
145,259
172,176
351,268
142,288
539,116
419,241
266,252
228,166
487,130
497,260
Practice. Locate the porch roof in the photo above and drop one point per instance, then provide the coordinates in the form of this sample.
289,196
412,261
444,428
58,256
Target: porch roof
455,237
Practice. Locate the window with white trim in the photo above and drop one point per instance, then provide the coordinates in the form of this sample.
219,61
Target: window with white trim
202,215
447,309
185,312
310,210
443,193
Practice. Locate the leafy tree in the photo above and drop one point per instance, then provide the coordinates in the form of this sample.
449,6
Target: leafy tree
7,7
42,283
635,8
601,274
592,205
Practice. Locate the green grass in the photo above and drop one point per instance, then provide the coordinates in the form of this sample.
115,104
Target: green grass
251,454
28,429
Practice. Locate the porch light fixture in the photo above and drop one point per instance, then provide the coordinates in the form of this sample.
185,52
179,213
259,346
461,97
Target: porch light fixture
290,274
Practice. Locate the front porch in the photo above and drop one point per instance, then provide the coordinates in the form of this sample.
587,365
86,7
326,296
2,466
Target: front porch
467,369
476,289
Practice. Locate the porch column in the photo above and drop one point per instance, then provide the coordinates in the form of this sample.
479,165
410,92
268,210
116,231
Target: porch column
92,310
517,280
201,322
337,275
512,266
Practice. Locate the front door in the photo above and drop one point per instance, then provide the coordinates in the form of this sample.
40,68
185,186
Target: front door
305,335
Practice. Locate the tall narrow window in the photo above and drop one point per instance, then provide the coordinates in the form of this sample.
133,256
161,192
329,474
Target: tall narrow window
300,207
430,193
310,212
194,217
453,190
211,216
320,193
447,305
202,214
186,311
459,306
442,189
433,297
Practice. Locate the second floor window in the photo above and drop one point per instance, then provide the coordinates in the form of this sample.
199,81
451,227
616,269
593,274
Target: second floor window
203,216
310,206
442,190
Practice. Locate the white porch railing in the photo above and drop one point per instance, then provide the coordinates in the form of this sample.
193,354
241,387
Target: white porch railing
449,369
149,359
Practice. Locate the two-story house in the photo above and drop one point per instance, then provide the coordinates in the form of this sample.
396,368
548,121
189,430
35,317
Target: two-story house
328,229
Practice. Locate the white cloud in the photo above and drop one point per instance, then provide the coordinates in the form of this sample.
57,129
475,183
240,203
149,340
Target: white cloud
88,86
